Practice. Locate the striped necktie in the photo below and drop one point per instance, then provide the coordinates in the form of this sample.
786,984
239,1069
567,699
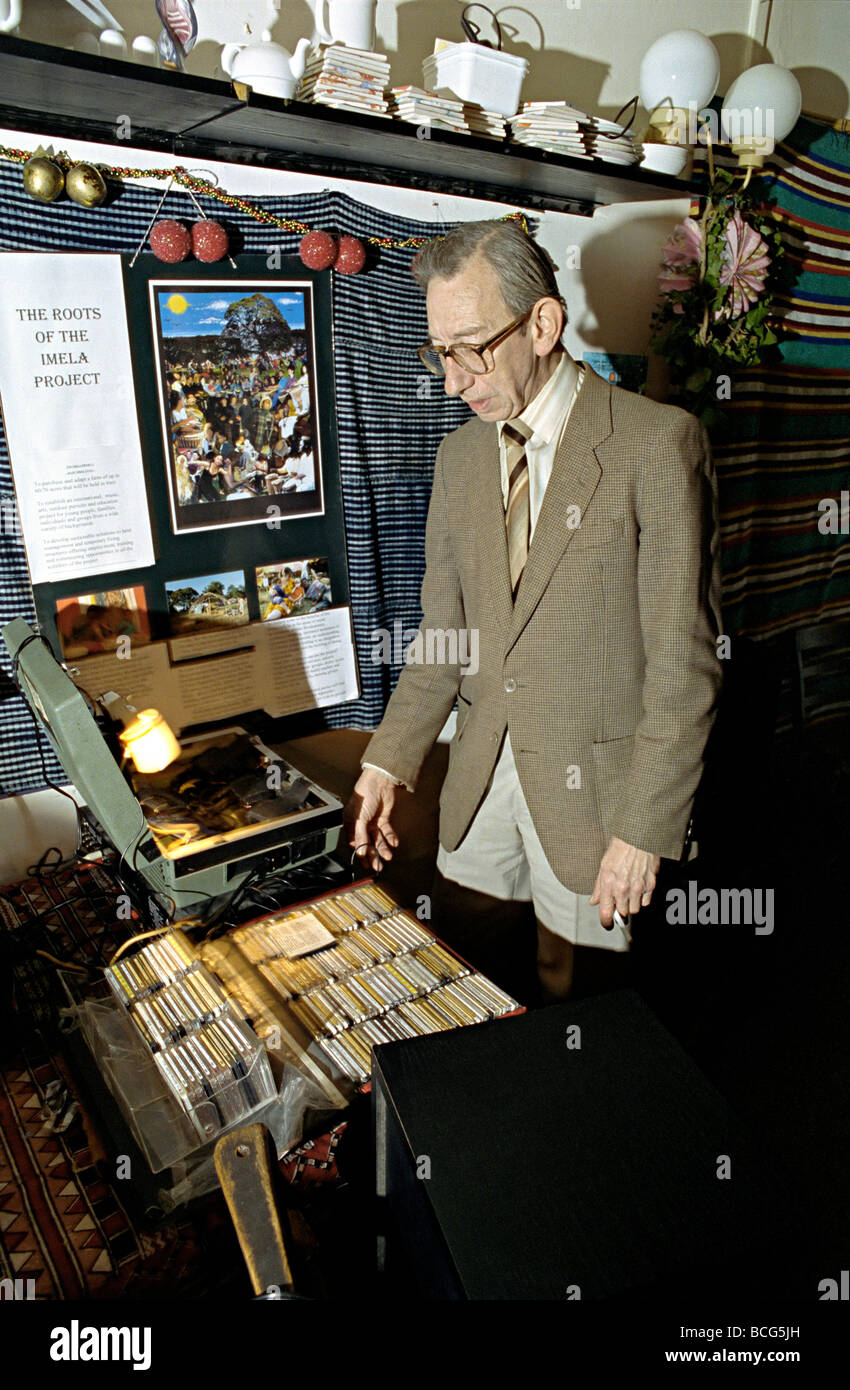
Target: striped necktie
517,514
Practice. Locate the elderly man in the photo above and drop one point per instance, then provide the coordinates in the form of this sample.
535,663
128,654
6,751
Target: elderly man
572,526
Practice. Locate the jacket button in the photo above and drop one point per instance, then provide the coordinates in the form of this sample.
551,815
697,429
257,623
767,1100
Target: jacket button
510,685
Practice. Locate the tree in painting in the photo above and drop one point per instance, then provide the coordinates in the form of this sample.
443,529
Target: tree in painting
254,325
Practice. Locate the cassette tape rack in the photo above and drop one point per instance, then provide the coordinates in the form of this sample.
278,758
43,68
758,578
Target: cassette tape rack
206,1053
380,976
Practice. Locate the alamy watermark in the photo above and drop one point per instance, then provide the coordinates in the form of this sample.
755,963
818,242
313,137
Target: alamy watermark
17,1290
721,907
79,1342
430,646
834,514
738,126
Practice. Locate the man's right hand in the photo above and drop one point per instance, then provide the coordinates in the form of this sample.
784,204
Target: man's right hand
367,817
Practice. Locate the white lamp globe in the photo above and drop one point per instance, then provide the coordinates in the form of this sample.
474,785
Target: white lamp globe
680,67
764,102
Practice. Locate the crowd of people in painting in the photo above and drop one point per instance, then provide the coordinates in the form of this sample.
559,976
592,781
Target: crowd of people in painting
241,430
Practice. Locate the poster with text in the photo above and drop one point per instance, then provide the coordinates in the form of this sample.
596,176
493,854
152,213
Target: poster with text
69,408
236,381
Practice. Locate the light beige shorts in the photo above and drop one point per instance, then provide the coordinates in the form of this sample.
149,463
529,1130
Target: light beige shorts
501,855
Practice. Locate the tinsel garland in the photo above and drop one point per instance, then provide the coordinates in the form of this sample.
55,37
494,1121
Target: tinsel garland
193,184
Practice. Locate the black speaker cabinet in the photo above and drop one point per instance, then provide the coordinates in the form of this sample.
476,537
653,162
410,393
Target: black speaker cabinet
575,1152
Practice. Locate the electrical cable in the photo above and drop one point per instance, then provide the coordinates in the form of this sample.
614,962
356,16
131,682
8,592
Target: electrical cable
65,964
135,870
290,880
140,936
66,902
239,892
36,870
91,893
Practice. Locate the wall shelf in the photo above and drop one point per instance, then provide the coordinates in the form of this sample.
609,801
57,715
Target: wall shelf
50,91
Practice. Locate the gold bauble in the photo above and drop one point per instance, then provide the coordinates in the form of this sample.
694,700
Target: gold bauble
43,180
85,185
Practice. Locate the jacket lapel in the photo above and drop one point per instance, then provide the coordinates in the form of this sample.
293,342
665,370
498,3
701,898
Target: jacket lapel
575,477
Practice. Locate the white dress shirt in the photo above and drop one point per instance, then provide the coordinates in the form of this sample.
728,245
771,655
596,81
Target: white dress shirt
546,417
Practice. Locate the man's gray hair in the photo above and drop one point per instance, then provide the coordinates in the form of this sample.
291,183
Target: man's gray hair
524,270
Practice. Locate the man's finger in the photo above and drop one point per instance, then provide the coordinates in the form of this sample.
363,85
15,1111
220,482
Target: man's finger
385,829
360,833
383,846
367,854
606,908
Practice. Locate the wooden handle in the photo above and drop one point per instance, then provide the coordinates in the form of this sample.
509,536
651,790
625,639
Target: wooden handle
242,1164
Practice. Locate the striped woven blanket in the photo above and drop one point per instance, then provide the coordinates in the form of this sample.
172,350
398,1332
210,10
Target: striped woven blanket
784,459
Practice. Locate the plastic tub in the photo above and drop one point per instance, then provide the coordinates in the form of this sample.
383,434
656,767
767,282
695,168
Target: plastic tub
482,75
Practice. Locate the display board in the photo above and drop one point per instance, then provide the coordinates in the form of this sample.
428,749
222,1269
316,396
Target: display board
246,603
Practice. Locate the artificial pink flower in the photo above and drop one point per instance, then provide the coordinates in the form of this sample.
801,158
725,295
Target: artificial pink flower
681,257
745,265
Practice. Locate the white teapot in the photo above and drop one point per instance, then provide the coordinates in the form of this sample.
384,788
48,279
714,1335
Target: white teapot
267,67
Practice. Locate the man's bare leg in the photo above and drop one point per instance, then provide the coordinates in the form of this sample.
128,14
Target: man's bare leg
554,965
496,936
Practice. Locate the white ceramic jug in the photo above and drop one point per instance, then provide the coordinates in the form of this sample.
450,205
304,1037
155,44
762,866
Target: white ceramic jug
267,67
351,22
13,15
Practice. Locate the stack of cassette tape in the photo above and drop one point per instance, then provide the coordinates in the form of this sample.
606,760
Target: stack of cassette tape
208,1056
377,975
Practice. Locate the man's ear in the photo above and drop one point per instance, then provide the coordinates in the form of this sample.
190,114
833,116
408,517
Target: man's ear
547,325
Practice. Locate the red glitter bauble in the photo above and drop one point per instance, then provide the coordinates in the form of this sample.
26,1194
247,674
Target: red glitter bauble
209,241
170,241
352,256
318,250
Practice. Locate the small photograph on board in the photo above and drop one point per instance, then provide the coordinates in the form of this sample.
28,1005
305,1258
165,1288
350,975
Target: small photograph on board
237,390
206,603
293,588
89,624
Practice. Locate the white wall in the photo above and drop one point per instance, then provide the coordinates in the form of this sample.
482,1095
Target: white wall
29,825
814,40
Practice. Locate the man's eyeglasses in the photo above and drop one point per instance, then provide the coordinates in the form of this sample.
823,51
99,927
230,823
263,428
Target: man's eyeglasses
476,358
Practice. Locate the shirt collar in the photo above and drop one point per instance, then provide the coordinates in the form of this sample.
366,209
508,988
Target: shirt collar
544,414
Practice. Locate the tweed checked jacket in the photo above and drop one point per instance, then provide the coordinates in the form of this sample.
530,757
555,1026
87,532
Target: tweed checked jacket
604,669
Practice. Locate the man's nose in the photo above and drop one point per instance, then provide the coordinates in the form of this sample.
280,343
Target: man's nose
457,380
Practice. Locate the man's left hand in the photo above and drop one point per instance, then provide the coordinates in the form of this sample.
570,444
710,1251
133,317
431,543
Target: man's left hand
625,881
